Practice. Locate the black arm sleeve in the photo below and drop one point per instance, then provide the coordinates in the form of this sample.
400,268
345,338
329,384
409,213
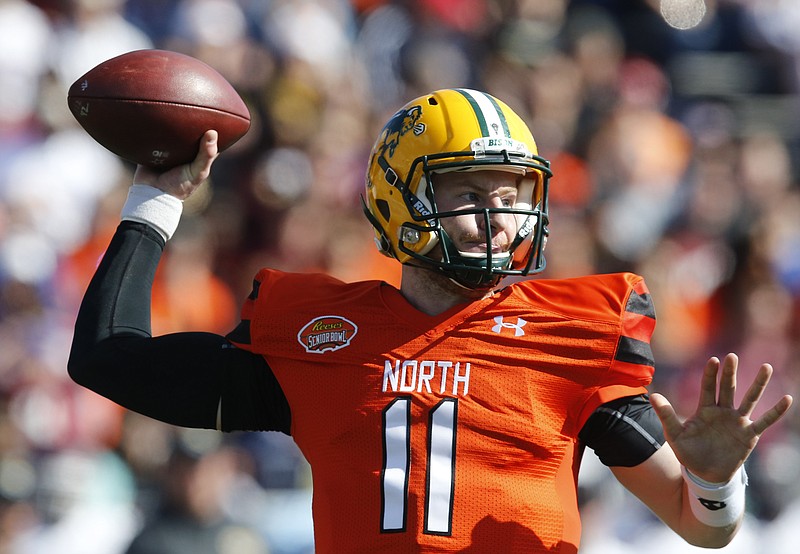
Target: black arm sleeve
179,378
624,432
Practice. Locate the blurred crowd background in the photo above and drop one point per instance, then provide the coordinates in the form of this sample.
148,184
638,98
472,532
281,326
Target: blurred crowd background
672,127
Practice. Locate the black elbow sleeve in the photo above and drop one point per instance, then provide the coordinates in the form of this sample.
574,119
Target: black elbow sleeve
624,432
117,301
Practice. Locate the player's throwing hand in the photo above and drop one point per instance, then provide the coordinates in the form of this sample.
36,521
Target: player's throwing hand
183,180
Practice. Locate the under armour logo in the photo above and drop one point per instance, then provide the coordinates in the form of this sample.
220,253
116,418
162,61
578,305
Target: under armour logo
712,505
518,332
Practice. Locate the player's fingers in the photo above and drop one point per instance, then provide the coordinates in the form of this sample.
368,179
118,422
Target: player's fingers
666,413
756,390
708,384
772,415
727,381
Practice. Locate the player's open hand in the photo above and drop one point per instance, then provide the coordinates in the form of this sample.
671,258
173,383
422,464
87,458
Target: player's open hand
719,437
183,180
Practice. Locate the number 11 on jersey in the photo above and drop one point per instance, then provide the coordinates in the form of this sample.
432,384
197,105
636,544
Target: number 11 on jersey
440,470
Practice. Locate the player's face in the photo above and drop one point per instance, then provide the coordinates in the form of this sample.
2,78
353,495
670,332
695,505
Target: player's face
478,190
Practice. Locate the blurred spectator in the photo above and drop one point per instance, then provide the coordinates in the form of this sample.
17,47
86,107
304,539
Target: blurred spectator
189,265
190,517
24,45
88,32
84,505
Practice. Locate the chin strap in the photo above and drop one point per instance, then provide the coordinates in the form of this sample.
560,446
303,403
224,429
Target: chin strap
473,279
472,273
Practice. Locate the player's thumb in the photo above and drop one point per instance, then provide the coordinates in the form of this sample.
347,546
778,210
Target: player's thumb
666,413
194,173
206,154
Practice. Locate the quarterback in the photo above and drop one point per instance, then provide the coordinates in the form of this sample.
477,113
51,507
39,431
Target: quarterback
449,415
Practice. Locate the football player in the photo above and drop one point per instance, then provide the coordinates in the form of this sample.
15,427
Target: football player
449,415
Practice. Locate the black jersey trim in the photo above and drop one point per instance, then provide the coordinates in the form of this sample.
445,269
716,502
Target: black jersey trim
241,334
641,304
256,288
634,351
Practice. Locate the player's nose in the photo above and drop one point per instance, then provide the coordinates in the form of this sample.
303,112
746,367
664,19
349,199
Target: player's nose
493,218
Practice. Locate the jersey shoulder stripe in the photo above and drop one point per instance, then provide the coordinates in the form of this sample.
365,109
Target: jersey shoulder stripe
241,334
638,323
639,301
254,292
632,351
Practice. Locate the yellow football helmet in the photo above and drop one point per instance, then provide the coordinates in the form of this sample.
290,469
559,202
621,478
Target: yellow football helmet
455,130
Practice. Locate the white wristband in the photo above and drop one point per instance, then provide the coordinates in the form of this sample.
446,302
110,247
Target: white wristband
154,207
716,504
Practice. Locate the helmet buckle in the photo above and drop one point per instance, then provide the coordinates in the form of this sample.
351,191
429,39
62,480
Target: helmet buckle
411,236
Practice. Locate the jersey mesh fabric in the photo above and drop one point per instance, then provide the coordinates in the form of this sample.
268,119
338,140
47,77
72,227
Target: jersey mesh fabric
497,389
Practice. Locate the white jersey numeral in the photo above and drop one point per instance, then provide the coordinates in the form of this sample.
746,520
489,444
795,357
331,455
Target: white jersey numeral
440,475
396,460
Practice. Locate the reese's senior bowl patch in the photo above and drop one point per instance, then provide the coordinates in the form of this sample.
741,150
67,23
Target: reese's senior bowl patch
328,332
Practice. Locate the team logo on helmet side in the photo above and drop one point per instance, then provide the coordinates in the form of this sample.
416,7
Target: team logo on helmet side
402,122
328,332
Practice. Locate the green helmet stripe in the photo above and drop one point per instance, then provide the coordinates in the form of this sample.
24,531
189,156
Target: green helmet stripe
490,116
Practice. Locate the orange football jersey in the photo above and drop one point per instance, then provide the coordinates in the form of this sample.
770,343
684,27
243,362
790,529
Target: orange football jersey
454,433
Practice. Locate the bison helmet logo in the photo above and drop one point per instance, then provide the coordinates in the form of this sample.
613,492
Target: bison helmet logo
402,122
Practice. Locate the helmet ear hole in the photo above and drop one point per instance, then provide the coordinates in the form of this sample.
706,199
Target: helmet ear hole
383,208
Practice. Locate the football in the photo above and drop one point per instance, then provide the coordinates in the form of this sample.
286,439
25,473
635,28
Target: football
151,107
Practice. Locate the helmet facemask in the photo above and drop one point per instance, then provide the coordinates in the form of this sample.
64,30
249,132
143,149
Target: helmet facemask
477,270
